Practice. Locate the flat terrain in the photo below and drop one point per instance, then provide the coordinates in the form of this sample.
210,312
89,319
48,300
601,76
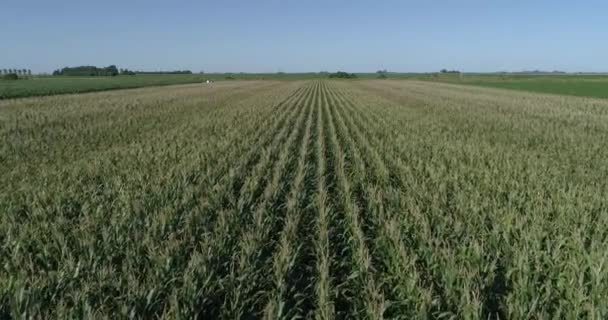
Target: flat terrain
54,85
317,199
592,85
564,84
48,85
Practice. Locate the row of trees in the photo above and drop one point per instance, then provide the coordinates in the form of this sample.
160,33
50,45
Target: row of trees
343,75
91,71
127,72
166,72
19,72
87,71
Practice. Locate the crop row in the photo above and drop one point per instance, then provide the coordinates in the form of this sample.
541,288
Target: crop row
319,199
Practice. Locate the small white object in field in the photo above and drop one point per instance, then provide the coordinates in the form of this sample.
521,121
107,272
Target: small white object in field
208,81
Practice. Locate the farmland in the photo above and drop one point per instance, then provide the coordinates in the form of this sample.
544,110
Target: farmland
584,85
588,85
307,198
54,85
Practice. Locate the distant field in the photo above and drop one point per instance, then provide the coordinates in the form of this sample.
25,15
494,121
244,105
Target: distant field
309,199
40,86
49,85
576,85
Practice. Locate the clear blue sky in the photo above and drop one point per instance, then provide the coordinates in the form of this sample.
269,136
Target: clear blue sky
301,35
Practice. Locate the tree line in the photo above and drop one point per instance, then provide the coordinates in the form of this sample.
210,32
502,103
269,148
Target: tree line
14,74
112,70
343,75
166,72
19,72
87,71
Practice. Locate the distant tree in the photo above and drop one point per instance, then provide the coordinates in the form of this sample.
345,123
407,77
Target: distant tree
382,76
23,71
111,70
343,75
165,72
10,76
29,72
87,71
382,71
126,72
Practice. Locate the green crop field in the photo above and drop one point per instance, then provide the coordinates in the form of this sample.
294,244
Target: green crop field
568,84
564,84
53,85
315,199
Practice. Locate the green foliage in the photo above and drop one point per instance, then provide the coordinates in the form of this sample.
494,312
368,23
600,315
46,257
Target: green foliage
569,84
343,75
165,72
304,199
14,74
48,85
83,71
127,72
587,85
10,76
60,85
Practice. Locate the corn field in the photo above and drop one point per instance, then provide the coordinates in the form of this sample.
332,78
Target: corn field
304,199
